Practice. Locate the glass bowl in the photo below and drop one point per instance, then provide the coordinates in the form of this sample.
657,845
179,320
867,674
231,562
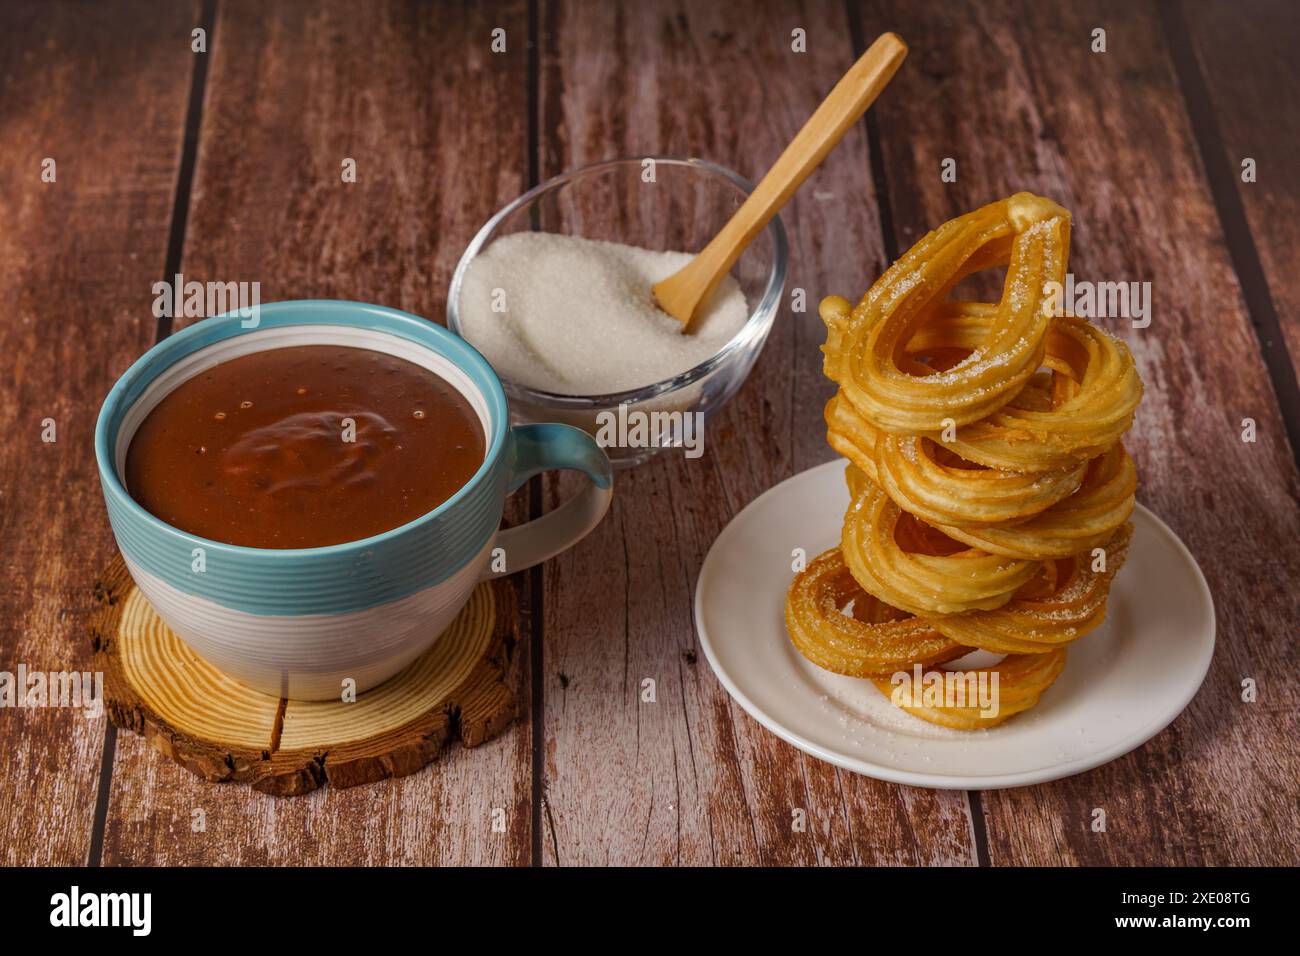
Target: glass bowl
687,203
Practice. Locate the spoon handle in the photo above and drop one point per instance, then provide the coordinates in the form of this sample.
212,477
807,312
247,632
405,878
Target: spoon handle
681,294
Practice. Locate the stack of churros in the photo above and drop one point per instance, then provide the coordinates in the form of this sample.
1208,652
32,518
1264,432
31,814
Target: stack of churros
990,492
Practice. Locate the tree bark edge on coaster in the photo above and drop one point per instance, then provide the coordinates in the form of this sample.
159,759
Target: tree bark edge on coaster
221,730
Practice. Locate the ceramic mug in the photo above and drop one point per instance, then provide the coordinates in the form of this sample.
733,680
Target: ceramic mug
298,622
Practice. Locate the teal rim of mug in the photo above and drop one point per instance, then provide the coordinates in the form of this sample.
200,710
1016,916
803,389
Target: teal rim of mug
133,383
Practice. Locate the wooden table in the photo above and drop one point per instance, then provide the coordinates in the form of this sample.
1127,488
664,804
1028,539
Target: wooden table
225,165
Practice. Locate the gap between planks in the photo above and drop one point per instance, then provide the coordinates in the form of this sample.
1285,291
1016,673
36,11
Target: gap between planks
889,239
171,266
1229,208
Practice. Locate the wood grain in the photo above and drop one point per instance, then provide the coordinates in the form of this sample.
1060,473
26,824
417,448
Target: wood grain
1012,91
1246,52
691,778
437,125
222,730
95,90
682,293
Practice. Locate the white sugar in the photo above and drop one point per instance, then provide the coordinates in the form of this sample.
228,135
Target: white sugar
576,316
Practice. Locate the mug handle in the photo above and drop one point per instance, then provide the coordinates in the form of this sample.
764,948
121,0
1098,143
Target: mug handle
548,447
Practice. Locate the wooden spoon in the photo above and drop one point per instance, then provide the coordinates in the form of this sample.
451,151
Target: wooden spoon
683,292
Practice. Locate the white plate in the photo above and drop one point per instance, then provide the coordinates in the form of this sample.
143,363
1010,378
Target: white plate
1122,684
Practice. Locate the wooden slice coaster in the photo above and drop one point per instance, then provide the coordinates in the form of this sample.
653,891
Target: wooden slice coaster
220,729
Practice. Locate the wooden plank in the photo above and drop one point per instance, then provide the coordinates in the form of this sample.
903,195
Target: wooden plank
1013,92
437,125
1246,54
692,779
95,90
